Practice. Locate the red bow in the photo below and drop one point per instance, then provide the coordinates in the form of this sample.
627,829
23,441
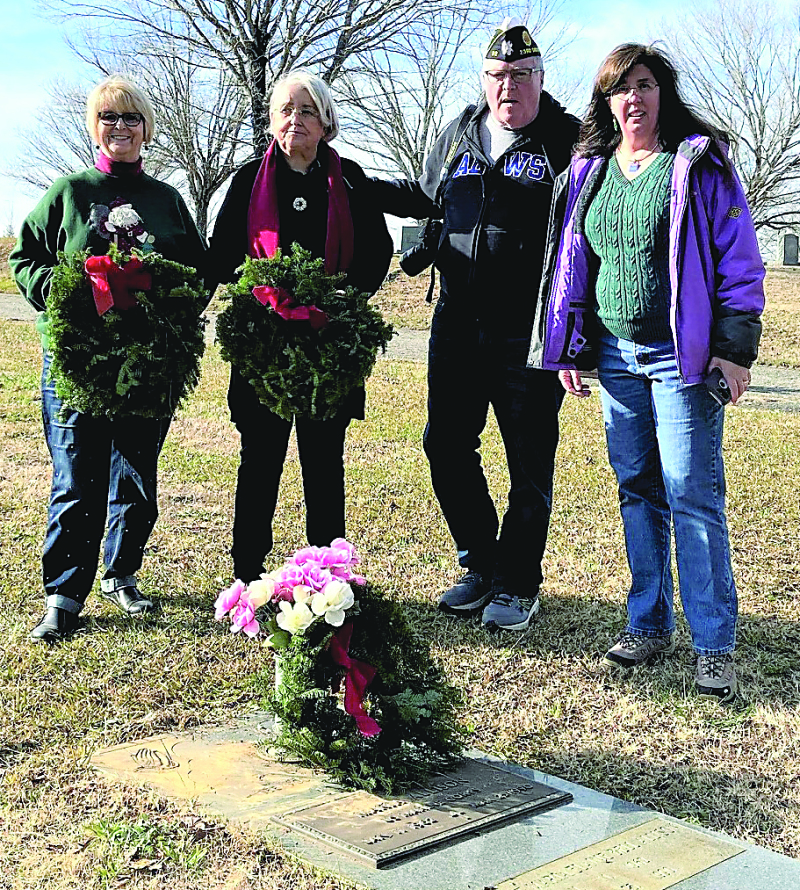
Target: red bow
112,286
358,675
282,302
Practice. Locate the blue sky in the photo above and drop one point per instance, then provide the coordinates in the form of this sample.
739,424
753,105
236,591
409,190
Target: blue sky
33,53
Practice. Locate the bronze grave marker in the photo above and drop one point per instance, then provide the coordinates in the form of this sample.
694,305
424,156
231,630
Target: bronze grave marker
380,831
652,856
220,769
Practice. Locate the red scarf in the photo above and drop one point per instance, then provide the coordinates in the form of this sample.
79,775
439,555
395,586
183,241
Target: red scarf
263,223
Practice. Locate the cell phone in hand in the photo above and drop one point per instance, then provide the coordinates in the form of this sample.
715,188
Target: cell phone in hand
717,385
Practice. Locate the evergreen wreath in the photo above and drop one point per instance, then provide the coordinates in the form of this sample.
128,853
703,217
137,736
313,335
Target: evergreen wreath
144,361
293,367
405,727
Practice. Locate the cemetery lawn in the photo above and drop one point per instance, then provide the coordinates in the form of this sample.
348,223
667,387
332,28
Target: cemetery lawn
538,699
402,301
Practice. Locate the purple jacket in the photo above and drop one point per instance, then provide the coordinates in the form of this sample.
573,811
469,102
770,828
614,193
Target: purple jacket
716,271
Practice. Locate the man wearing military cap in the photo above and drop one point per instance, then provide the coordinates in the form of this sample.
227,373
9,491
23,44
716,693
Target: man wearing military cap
489,178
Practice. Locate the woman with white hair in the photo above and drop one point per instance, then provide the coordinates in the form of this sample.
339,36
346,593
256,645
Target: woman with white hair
301,192
104,467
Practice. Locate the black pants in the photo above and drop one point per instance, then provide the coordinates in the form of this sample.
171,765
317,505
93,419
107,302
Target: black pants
469,369
265,437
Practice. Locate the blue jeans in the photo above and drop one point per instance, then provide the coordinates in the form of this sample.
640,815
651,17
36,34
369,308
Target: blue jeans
469,369
104,476
665,446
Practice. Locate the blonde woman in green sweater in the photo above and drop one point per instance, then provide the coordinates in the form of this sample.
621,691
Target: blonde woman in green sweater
104,468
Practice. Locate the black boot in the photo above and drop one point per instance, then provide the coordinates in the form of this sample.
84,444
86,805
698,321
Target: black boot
55,625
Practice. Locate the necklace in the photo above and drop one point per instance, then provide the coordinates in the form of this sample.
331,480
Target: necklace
634,164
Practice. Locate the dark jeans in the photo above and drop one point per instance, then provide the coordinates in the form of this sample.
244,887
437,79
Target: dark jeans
104,479
469,369
265,437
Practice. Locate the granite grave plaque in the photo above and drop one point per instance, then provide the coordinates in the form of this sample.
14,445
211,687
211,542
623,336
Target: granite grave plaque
380,831
653,856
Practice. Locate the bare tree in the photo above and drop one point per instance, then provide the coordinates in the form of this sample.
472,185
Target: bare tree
200,112
741,59
256,40
398,99
59,143
9,229
202,121
396,102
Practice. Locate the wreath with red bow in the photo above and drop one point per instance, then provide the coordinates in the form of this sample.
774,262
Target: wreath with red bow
302,340
125,333
411,704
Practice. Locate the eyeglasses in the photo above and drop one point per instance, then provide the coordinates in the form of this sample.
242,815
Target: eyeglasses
643,88
129,118
304,112
518,75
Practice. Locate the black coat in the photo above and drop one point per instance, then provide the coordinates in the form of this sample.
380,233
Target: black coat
372,248
372,243
494,216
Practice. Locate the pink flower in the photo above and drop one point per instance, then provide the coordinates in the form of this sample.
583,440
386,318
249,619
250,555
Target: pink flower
344,574
343,553
228,599
308,555
285,579
316,577
243,617
338,560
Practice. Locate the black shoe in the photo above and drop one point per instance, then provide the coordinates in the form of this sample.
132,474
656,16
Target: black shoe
129,599
470,595
55,625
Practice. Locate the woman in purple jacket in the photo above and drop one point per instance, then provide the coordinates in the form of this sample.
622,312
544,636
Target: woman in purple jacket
658,280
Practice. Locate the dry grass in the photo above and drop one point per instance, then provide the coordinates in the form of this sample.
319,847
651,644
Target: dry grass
402,299
6,283
538,699
780,342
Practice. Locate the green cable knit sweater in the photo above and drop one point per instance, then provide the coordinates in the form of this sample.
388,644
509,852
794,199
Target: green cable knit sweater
627,226
61,221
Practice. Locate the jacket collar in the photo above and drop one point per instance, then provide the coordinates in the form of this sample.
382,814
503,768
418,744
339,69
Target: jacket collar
546,126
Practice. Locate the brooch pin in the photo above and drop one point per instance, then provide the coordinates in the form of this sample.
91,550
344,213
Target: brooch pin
299,203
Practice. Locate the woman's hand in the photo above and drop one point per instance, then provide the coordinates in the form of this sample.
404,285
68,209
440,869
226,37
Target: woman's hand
572,383
737,377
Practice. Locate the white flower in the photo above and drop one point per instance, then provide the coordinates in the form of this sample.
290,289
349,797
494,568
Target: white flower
260,591
301,593
123,217
332,602
294,617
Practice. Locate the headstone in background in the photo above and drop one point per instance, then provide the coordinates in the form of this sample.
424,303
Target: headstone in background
409,236
791,251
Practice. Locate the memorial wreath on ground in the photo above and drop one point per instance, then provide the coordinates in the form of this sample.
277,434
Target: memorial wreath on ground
356,692
302,340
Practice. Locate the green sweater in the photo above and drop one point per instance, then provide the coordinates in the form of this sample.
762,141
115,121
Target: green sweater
61,221
627,226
